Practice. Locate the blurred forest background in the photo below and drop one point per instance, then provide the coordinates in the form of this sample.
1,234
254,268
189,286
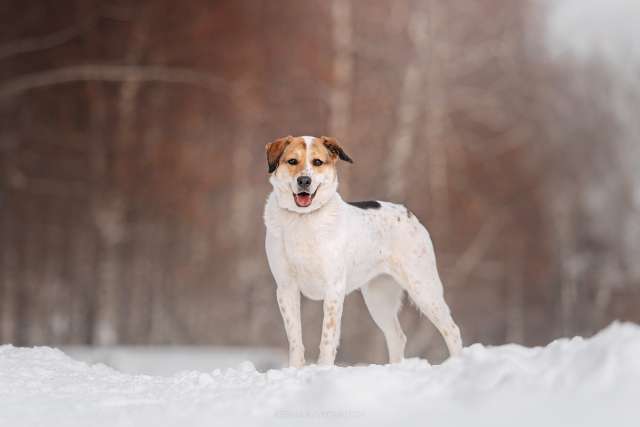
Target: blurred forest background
133,174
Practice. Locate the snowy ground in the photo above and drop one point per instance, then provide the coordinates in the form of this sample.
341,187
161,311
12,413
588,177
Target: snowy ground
581,382
169,360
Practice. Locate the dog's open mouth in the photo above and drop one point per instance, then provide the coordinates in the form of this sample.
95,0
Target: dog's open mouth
304,199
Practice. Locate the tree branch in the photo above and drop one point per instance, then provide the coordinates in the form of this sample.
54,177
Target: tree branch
111,73
472,256
34,44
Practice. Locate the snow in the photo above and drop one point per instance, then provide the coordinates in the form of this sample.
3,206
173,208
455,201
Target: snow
169,360
581,382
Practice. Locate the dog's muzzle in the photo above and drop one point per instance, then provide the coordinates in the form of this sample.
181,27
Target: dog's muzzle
304,182
303,197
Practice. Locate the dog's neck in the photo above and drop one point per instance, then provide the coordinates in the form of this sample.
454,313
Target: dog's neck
327,206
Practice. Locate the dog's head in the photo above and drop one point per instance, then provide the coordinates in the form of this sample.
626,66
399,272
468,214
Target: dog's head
303,171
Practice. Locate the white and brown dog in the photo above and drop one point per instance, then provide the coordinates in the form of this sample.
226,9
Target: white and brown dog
324,248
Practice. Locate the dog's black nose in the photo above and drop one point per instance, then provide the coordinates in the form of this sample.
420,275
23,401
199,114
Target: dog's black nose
304,181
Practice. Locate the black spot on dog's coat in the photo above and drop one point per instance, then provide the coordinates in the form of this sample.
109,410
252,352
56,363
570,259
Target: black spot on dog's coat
409,213
368,204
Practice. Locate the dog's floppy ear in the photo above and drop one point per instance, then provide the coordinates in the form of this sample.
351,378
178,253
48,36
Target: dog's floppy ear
335,149
274,151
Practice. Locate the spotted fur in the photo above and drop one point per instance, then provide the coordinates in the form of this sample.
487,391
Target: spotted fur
330,248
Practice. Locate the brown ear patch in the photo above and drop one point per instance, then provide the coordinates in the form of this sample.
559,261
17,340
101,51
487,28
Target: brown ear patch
274,151
335,149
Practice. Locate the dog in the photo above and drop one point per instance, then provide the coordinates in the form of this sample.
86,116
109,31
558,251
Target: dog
324,248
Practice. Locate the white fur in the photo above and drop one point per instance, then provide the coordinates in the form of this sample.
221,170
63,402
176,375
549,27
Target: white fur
331,248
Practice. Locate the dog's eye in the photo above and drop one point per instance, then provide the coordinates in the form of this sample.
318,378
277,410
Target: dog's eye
317,162
292,161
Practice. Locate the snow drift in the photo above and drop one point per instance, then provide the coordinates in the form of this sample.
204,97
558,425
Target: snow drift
569,382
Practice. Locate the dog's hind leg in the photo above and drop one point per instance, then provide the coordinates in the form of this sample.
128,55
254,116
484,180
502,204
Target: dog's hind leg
383,298
436,309
427,295
420,279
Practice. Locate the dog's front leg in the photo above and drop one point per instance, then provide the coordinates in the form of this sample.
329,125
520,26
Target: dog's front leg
332,308
289,303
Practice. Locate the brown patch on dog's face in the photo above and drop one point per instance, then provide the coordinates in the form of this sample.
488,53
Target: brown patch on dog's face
275,150
300,158
293,151
321,158
294,157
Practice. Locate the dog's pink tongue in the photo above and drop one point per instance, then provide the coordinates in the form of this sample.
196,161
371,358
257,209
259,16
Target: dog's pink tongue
303,200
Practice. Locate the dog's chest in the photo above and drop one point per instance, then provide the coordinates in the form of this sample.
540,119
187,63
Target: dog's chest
309,247
304,249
